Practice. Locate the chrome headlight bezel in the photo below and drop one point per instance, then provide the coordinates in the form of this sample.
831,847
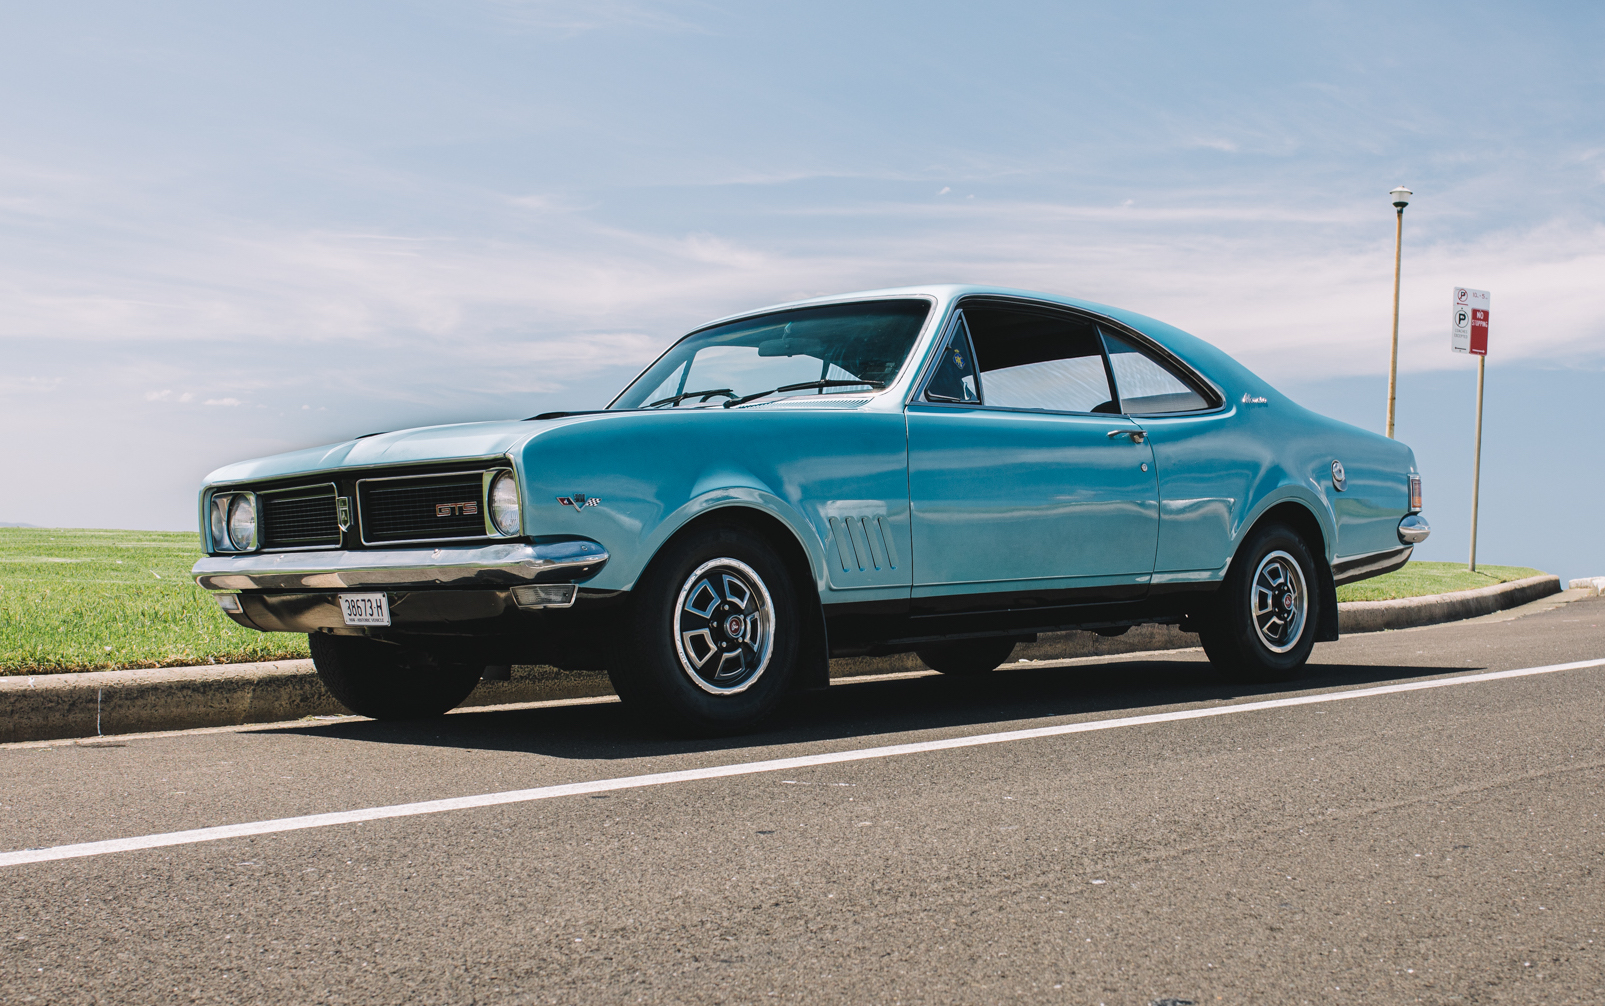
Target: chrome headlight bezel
504,511
222,511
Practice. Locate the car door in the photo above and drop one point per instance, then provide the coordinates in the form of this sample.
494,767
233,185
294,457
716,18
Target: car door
1204,461
1027,488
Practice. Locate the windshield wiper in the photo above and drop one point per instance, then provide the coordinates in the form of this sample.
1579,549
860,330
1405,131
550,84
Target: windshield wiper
804,387
677,399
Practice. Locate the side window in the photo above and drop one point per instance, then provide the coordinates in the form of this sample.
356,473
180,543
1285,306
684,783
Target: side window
1039,360
1148,387
954,379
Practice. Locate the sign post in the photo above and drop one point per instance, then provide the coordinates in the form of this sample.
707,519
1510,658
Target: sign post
1470,335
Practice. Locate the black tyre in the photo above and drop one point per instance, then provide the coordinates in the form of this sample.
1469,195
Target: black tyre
387,681
966,657
1263,628
715,626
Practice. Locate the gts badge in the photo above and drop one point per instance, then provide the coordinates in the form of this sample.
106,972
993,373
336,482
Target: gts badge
578,501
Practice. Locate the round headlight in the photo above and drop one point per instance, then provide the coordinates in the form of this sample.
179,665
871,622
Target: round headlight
219,522
504,503
242,522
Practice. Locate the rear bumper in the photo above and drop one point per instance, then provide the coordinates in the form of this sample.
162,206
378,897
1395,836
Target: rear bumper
1413,530
1348,569
504,565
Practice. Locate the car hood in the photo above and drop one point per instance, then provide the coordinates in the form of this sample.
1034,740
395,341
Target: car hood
427,443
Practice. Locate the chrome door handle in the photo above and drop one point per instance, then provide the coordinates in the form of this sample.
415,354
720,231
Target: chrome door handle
1137,436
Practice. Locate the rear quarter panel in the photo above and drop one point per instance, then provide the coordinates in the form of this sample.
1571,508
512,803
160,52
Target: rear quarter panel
1220,472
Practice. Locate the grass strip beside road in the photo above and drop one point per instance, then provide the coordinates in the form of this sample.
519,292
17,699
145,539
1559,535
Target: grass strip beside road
87,600
76,599
1418,579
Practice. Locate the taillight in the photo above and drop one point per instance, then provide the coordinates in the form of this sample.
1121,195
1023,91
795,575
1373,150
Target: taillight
1415,494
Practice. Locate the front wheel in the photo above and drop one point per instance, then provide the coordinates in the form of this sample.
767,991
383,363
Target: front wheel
716,628
387,681
1263,627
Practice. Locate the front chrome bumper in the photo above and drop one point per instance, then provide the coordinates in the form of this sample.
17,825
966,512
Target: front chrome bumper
446,566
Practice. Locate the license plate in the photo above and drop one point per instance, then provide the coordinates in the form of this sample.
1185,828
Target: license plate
365,609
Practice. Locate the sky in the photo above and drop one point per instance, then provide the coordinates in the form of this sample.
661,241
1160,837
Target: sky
232,230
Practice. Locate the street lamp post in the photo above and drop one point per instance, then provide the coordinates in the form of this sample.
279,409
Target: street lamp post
1401,199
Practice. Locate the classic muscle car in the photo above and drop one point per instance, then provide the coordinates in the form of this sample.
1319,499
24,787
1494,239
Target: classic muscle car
946,470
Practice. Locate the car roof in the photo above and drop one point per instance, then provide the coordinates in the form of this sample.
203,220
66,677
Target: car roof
943,293
1199,354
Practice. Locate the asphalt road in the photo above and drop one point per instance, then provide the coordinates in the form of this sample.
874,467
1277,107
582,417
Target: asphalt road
1438,845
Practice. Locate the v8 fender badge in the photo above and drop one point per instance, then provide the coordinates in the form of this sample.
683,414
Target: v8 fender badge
1339,480
579,501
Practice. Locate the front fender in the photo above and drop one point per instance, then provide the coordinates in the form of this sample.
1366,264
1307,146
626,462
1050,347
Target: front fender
650,474
748,497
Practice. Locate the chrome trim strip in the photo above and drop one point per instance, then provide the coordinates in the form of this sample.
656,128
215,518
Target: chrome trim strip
348,469
211,501
489,476
1413,530
1369,564
473,565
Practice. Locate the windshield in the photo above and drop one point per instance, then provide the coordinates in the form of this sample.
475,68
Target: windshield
835,349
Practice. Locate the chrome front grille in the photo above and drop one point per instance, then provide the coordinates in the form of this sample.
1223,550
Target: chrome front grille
304,517
422,508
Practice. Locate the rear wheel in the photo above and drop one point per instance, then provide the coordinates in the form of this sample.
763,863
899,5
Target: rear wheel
387,681
716,625
966,657
1263,629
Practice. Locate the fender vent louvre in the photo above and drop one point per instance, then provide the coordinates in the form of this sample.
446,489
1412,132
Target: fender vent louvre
863,543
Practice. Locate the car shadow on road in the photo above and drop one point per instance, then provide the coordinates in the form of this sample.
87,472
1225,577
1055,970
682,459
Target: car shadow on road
866,710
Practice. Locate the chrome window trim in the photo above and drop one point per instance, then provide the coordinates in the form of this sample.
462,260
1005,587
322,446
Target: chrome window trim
1146,344
934,352
334,491
931,317
362,527
955,318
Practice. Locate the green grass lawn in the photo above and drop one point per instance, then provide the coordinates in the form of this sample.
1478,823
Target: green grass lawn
1420,578
83,600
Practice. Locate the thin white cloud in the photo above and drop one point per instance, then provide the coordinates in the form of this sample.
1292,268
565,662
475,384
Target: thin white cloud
576,16
1287,288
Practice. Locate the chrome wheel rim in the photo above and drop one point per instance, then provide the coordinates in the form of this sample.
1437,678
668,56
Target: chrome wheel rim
1278,602
724,626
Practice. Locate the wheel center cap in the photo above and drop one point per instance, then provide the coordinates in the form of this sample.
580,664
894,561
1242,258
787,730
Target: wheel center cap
735,626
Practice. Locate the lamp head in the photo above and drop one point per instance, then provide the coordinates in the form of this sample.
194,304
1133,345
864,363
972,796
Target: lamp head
1401,197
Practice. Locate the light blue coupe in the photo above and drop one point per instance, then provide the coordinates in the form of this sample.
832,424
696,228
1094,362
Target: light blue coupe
947,470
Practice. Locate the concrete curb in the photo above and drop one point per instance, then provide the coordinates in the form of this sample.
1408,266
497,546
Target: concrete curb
53,706
1595,585
1374,616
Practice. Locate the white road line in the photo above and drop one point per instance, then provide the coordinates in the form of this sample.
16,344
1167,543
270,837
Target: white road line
744,768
